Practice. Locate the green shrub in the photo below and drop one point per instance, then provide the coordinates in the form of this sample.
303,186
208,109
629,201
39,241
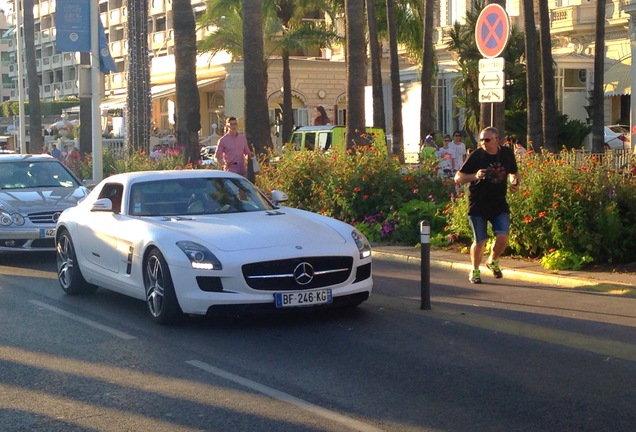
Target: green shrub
351,186
582,209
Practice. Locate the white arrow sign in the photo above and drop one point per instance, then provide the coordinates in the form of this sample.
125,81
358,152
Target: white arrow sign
491,80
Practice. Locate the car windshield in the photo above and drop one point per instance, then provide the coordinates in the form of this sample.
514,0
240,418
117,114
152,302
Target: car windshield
619,129
35,174
195,196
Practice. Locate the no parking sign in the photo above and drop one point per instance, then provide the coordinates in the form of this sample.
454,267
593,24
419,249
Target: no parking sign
492,30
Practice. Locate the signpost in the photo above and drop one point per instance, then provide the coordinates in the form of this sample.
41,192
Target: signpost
492,32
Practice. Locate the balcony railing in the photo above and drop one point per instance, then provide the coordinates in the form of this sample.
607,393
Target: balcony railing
580,17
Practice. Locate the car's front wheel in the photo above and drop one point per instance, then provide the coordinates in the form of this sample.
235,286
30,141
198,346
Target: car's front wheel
161,298
68,271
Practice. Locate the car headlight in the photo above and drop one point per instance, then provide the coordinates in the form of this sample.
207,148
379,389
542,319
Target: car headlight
364,247
200,257
17,219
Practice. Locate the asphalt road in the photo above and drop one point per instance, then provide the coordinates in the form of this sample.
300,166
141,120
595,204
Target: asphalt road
503,356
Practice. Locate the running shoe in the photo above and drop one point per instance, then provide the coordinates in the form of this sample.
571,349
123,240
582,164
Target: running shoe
474,277
494,268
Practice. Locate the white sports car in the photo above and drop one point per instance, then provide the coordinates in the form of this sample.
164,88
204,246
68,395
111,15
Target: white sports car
204,241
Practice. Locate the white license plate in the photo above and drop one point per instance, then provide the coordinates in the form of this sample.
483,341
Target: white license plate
303,298
47,232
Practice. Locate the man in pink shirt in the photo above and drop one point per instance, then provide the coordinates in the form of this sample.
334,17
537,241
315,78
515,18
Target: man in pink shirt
233,148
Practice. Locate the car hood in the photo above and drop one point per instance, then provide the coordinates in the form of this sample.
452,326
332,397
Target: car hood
254,230
40,199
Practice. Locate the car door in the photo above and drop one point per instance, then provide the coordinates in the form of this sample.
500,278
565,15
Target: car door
99,231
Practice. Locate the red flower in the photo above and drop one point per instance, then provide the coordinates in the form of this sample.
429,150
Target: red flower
527,219
356,189
541,214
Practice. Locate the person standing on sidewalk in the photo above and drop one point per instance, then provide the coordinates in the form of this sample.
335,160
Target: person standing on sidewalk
232,149
487,169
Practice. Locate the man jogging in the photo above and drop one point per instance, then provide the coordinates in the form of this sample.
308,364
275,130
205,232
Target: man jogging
487,170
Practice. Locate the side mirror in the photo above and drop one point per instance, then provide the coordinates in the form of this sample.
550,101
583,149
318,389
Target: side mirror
279,196
102,204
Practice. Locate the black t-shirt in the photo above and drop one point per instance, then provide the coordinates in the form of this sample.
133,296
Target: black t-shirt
487,197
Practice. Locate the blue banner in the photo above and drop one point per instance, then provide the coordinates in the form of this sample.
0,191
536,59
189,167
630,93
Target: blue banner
106,62
72,23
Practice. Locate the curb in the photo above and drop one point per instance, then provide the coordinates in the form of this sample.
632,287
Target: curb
511,273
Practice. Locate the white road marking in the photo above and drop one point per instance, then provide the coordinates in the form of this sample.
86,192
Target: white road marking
88,322
279,395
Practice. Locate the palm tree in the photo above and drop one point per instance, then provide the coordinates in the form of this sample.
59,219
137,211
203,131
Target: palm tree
379,120
356,71
598,116
187,92
285,29
138,99
534,133
257,127
35,110
397,133
296,33
426,109
547,81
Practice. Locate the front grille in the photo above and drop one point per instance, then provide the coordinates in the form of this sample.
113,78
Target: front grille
278,275
45,217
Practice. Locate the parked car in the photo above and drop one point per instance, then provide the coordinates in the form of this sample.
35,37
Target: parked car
330,137
34,190
616,138
208,155
205,241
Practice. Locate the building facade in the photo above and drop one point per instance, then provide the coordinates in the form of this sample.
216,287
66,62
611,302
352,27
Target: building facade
318,76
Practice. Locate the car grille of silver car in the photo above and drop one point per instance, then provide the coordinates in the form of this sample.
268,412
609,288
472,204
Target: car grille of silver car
298,273
49,217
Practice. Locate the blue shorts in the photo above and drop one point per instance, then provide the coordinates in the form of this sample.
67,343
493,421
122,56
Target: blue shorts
500,225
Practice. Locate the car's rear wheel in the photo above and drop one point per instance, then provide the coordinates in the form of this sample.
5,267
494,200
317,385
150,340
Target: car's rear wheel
68,271
161,298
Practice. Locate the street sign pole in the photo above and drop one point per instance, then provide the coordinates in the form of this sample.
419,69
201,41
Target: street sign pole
492,32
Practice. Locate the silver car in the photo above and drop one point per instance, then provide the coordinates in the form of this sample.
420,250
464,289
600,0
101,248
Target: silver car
34,190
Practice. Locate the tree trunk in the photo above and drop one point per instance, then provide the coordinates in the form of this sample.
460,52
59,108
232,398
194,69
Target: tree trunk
397,131
35,109
187,91
379,120
547,82
288,113
427,104
534,134
257,127
356,71
598,96
138,100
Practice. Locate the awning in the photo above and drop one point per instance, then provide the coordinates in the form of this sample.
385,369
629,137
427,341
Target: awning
166,90
113,103
618,78
157,91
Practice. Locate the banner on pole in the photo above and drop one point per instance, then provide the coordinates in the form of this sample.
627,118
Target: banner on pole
73,25
72,21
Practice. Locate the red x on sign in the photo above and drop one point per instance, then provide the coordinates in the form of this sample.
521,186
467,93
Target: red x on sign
492,30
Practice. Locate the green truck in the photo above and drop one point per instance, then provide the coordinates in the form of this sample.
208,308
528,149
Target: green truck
325,138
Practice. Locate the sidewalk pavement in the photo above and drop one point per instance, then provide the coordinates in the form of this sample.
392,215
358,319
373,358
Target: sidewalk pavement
519,269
